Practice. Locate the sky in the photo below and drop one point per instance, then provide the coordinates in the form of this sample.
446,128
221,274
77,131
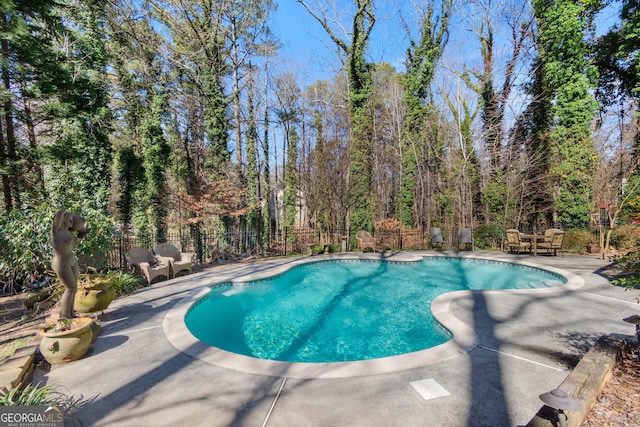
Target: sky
306,44
308,51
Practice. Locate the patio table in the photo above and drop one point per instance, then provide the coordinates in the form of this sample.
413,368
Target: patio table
534,241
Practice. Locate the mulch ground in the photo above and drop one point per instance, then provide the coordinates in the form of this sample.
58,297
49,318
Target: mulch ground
618,404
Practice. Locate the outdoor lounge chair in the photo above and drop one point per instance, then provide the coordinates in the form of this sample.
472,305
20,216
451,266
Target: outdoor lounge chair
436,238
515,242
465,235
178,261
148,264
554,243
365,240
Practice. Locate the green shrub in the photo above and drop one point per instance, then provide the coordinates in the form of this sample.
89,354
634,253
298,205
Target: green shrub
25,243
34,395
488,237
123,282
37,395
576,239
332,249
625,237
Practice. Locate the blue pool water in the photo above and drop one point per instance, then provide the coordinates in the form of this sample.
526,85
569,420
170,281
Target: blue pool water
337,311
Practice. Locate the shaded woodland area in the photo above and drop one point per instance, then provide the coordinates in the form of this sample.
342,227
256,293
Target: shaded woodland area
162,116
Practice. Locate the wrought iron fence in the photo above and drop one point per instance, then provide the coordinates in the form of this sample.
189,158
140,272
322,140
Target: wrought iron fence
243,243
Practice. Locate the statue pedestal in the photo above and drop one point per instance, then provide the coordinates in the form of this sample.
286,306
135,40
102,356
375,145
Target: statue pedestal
53,318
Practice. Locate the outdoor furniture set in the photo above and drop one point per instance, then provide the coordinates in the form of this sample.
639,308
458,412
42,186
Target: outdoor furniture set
550,241
166,260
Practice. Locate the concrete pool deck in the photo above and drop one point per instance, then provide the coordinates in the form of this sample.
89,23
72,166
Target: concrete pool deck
524,344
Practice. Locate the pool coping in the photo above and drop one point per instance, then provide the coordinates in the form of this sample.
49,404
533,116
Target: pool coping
463,340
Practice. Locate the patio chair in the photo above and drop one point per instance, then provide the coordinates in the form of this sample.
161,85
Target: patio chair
465,235
178,261
548,234
148,264
436,237
365,240
554,244
515,242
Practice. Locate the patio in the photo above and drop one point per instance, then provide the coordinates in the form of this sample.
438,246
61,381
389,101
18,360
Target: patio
527,344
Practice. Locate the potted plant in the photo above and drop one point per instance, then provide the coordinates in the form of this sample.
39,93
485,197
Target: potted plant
95,292
67,340
592,248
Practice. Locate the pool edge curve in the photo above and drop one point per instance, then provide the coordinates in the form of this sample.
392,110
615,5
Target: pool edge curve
463,340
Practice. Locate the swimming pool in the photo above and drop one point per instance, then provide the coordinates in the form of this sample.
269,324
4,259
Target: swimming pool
347,310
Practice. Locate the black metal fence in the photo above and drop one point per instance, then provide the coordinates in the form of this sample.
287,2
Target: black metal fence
207,245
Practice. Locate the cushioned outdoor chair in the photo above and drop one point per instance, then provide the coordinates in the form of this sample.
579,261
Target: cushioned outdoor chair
436,238
147,264
465,236
365,240
548,234
178,261
515,242
554,243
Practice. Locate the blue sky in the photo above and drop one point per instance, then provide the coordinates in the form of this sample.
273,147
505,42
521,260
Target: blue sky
307,50
307,45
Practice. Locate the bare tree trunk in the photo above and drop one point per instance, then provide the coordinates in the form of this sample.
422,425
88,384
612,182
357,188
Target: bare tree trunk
6,187
31,135
11,190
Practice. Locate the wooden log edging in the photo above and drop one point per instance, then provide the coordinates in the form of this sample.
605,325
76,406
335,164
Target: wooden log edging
585,382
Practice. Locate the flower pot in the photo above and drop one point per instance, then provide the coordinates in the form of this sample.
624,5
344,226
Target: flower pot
93,297
593,249
69,344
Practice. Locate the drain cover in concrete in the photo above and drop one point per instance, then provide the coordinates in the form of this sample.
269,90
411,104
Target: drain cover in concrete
429,389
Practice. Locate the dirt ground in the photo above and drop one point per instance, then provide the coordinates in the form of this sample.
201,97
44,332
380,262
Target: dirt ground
17,322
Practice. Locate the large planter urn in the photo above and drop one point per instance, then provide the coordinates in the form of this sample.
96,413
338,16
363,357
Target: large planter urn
93,297
67,340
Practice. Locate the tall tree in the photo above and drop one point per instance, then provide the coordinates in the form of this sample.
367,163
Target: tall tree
570,80
91,124
359,76
137,67
156,157
618,59
326,190
462,161
32,73
291,181
287,108
54,67
254,216
200,54
494,98
248,35
387,106
421,62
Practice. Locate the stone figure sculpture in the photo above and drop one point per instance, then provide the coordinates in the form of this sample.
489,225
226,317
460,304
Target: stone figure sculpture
65,262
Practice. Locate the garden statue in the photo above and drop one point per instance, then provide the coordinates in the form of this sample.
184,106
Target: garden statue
65,262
